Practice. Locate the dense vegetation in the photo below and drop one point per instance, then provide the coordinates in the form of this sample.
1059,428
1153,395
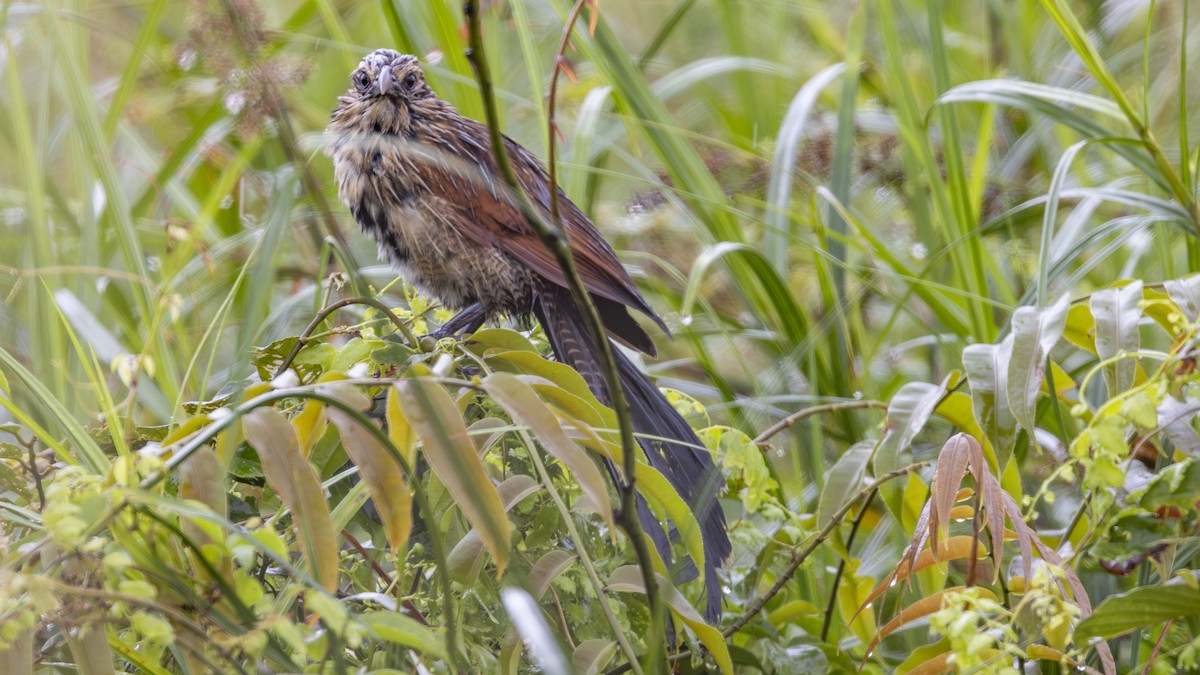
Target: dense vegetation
926,266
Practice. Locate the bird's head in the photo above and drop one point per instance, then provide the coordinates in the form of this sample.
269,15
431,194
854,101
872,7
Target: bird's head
385,89
389,75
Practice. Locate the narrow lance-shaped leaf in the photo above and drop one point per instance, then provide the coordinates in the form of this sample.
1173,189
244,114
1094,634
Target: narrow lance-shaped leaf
1035,332
376,467
452,456
843,480
908,411
987,372
297,484
399,430
523,403
629,578
1117,311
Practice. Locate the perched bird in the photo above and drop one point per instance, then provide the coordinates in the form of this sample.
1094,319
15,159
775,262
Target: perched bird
423,181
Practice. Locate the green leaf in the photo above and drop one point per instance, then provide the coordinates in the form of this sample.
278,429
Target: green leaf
1186,294
843,480
987,372
629,578
1035,332
1117,311
396,628
1177,485
547,569
378,469
451,455
1139,609
298,485
592,656
523,403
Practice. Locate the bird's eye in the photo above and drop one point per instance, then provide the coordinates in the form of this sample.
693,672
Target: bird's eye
362,80
410,82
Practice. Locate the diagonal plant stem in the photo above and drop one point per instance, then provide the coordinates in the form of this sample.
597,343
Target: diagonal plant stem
551,106
814,410
802,555
841,568
555,240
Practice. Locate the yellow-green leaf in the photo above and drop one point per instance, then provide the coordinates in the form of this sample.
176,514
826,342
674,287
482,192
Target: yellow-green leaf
382,474
629,579
452,457
523,403
396,628
269,432
399,430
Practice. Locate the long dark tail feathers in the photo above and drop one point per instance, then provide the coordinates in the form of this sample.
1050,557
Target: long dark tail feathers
682,458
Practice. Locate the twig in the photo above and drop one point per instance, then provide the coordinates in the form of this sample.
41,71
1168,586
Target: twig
379,571
554,239
551,101
788,421
816,541
330,309
837,578
1157,646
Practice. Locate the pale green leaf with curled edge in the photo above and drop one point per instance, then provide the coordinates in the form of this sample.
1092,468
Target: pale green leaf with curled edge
592,656
466,558
741,458
523,403
297,484
1116,312
908,412
1186,295
987,373
629,579
398,629
380,471
452,456
843,480
1035,332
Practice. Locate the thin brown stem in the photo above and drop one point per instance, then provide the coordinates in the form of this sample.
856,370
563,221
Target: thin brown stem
555,240
798,558
330,309
1158,646
841,569
790,420
551,100
375,566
